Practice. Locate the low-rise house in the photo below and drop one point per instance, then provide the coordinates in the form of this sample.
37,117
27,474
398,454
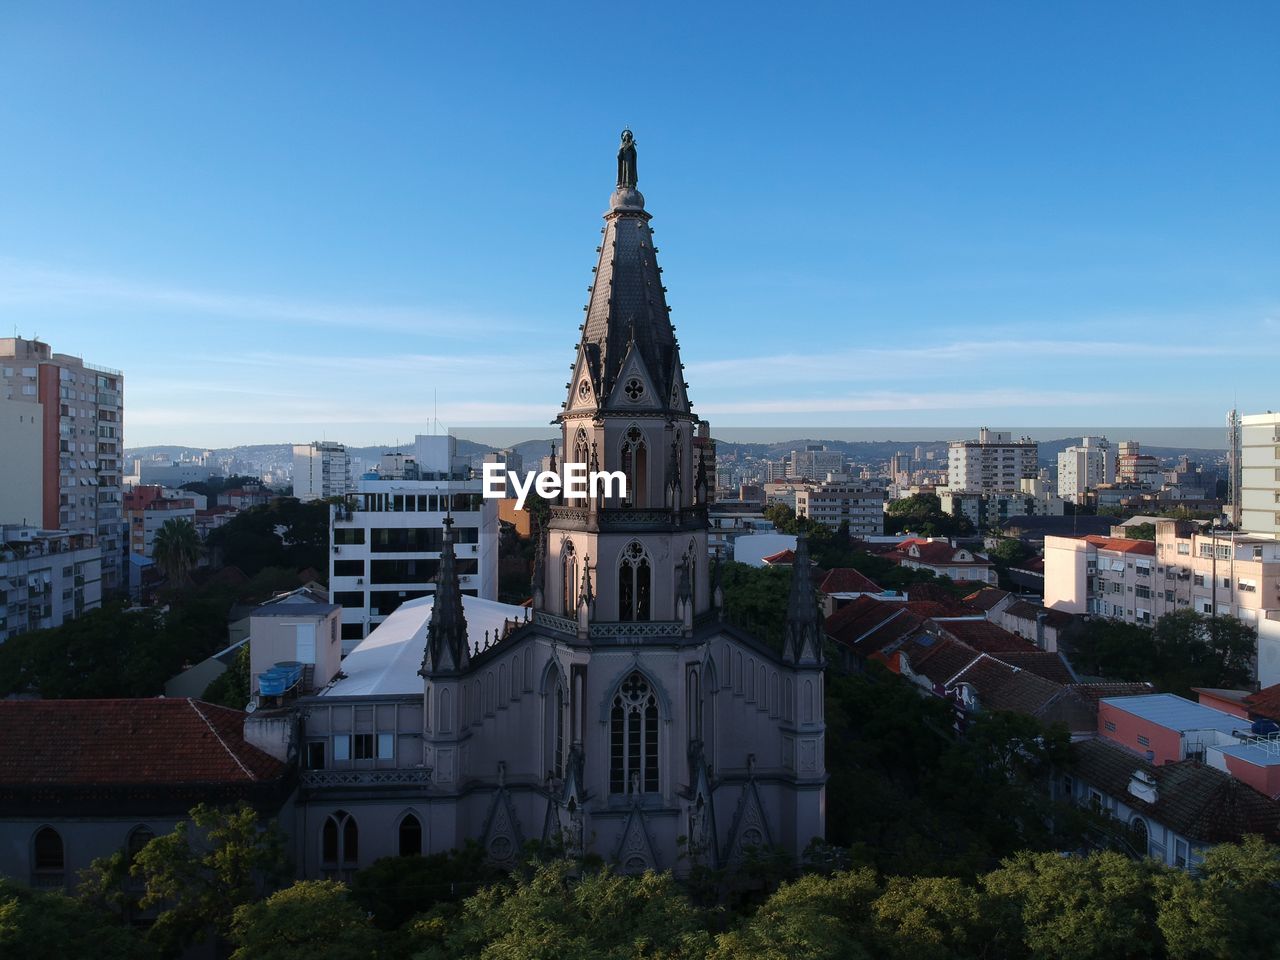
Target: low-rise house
944,560
82,779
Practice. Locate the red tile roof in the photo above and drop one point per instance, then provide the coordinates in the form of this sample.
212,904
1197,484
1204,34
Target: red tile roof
986,598
986,637
1121,545
782,557
935,609
1264,703
848,580
1051,666
159,742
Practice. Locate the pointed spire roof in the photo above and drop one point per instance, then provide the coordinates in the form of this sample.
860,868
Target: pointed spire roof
628,305
802,632
447,629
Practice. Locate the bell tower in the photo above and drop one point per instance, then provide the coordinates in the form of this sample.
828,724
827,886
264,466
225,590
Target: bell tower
638,557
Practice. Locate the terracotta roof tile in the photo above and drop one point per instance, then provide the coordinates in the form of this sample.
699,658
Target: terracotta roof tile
781,558
1265,703
848,580
1093,692
127,742
1192,799
986,637
1120,545
1051,666
986,598
1003,687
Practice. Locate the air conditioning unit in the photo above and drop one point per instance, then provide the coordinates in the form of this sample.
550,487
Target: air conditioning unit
359,581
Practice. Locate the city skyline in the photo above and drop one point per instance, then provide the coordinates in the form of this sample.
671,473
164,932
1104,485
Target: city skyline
337,225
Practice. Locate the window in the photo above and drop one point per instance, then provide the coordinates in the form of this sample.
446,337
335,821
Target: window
633,583
342,746
1143,741
339,845
315,755
386,746
363,744
48,860
633,738
1109,726
410,836
348,568
635,464
569,564
139,837
1140,838
1180,853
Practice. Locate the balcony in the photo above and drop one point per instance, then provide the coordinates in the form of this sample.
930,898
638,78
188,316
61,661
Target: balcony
337,779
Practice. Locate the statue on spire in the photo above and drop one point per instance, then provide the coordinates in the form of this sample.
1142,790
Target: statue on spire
627,160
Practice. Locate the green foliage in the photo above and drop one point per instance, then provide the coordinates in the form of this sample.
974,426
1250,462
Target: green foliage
197,875
393,889
1186,649
311,920
557,914
231,687
910,796
1009,552
755,599
1141,531
251,542
922,514
935,918
52,926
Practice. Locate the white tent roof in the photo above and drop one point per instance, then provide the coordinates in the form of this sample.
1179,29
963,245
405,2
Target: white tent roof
387,661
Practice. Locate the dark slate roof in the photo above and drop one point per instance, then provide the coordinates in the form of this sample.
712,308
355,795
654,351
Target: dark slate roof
939,658
295,610
1093,692
856,619
1192,799
169,742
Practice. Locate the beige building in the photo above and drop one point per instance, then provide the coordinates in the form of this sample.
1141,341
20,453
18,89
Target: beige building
1260,474
986,510
992,463
840,500
302,628
82,443
1187,567
320,470
21,491
1084,466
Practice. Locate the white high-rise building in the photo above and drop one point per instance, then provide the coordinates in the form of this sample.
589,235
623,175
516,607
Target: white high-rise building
814,462
385,544
992,463
81,409
1084,466
320,469
1260,474
841,500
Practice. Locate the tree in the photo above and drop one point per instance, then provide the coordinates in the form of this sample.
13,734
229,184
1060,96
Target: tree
52,926
936,918
393,889
231,687
197,875
311,920
1141,531
563,913
1099,907
812,918
176,549
755,598
1009,552
922,513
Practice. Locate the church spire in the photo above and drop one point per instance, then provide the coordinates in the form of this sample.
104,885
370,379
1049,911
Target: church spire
447,630
628,355
802,632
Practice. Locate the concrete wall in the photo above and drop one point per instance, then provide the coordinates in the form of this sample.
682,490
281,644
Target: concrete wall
1065,579
21,437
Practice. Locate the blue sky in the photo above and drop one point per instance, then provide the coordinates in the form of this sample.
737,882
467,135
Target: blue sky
294,220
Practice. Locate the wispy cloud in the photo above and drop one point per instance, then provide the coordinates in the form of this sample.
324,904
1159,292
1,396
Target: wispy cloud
902,401
25,284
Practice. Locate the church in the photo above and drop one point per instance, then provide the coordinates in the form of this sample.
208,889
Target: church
620,715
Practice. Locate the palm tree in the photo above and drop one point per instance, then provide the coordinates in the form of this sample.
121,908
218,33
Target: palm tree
176,549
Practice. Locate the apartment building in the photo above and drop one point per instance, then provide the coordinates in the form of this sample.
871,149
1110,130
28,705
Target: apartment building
839,500
21,462
82,443
814,462
321,469
147,509
986,510
1259,472
1135,467
385,541
1084,466
46,578
1189,566
992,463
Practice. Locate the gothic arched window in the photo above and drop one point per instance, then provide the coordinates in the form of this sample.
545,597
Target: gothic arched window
633,583
580,447
635,465
138,838
410,836
339,845
633,737
569,575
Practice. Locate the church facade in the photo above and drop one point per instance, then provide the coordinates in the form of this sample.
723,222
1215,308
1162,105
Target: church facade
620,716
